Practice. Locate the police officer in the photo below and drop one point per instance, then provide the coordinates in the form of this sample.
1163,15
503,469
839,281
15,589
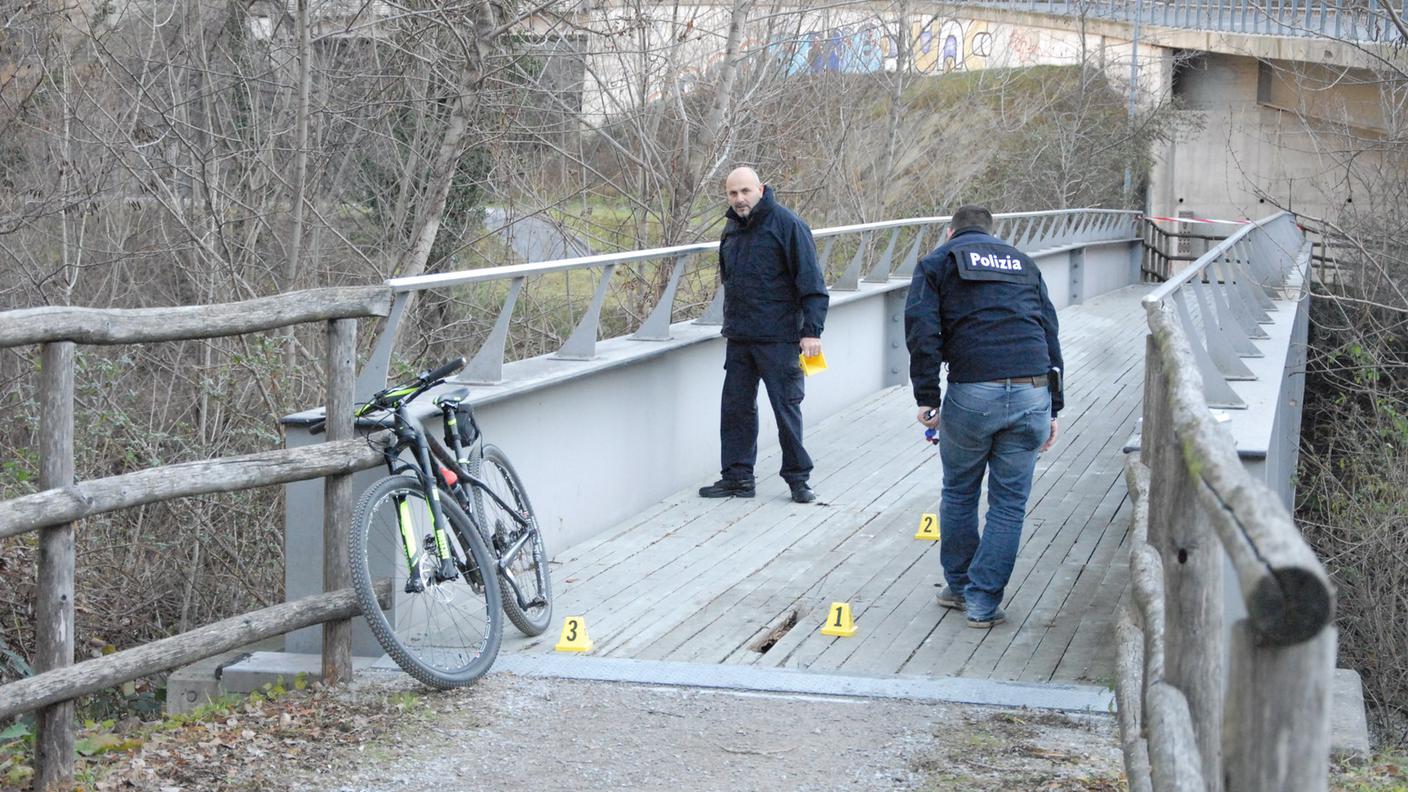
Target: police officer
775,303
980,305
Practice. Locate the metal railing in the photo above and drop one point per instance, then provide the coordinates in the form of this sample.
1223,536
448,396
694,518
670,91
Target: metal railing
876,260
1354,20
1222,300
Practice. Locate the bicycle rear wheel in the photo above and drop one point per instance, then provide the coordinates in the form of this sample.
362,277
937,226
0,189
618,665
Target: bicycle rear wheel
445,633
528,569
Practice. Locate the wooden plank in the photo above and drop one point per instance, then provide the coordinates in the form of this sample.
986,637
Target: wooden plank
706,595
1287,591
188,647
53,606
1192,563
179,323
767,608
678,593
891,547
1278,734
1085,595
57,505
1174,761
756,606
337,495
587,560
1129,695
1090,656
663,593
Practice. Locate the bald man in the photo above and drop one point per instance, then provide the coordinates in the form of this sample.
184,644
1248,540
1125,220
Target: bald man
775,304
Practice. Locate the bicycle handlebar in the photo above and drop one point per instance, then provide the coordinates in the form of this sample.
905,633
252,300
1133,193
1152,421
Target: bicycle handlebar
443,371
424,380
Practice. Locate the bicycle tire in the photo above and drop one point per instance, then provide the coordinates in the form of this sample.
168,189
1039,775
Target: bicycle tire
447,635
498,474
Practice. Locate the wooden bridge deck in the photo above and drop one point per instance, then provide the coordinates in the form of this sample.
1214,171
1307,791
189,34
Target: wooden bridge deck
717,581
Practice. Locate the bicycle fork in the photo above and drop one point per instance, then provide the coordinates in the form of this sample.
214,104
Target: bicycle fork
437,540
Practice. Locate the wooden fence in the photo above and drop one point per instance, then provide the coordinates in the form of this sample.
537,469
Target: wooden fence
1164,252
53,511
1184,723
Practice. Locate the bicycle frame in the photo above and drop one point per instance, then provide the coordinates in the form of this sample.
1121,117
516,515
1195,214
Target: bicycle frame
411,434
454,458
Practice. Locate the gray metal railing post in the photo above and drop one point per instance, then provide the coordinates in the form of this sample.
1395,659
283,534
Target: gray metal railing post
657,326
487,367
1215,334
714,314
1215,388
373,375
911,259
880,273
850,279
581,345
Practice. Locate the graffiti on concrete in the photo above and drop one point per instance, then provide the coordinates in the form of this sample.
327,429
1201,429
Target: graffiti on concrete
939,46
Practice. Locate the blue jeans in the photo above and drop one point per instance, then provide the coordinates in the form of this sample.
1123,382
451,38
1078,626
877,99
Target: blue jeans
996,429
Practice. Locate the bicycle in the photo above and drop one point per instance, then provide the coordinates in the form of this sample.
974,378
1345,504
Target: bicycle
477,468
443,626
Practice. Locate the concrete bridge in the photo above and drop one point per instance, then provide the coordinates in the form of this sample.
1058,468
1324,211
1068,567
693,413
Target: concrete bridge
1266,93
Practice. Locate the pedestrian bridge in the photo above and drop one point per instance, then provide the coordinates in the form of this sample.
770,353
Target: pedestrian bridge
614,436
750,581
1119,582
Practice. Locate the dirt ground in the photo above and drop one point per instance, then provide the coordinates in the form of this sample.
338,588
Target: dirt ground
511,733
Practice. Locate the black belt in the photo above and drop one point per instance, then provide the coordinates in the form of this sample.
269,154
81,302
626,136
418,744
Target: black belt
1038,381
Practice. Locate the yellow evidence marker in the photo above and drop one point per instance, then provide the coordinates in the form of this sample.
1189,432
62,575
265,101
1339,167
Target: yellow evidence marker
812,365
574,635
928,527
838,621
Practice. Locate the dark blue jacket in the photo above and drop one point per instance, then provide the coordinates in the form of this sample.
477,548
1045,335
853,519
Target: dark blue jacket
773,287
979,305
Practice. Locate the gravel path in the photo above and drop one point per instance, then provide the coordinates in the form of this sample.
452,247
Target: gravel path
509,733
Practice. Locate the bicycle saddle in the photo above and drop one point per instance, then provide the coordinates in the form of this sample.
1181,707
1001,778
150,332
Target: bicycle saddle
452,398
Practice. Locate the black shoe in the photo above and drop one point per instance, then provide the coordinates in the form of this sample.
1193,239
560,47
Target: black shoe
801,493
728,488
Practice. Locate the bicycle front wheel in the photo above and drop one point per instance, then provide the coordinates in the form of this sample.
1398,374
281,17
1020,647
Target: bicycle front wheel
444,632
526,572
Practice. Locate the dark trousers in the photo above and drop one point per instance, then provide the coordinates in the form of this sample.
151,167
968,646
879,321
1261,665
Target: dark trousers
776,364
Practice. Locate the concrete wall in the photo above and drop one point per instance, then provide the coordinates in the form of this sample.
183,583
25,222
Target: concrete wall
596,442
1262,135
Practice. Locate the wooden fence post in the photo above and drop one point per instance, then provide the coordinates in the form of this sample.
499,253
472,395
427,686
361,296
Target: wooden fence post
54,743
337,496
1278,713
1193,568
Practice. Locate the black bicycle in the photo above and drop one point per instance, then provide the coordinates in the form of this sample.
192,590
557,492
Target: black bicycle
485,485
452,562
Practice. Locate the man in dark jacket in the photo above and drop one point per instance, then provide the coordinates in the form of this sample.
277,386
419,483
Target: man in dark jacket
775,303
980,305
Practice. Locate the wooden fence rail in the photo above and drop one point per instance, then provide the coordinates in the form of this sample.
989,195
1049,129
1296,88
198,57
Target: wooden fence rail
53,511
1181,727
229,474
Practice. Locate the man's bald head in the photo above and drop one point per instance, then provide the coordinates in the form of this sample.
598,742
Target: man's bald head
744,189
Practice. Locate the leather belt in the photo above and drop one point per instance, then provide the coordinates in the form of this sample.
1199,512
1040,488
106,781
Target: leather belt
1035,382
